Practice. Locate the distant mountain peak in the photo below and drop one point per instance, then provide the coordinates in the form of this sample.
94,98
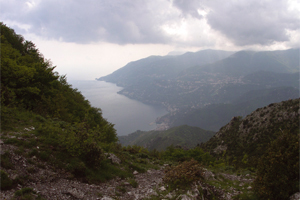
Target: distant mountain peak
176,53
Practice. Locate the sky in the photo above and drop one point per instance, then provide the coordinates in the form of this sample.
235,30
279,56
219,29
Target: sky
87,39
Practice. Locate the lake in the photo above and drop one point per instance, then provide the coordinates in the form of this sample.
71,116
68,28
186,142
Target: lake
128,115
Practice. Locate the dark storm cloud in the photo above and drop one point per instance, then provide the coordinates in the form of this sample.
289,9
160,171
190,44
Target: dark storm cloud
121,21
247,22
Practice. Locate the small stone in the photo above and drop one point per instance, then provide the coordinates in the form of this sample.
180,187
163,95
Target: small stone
135,173
107,198
1,142
162,188
114,159
17,158
76,193
170,196
295,196
249,188
111,190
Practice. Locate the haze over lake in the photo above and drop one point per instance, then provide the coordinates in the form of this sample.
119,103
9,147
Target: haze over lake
128,115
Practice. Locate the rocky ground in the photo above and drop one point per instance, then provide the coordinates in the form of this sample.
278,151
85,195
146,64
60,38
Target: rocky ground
51,183
48,182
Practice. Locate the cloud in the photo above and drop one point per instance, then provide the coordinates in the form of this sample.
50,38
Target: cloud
116,21
245,22
204,23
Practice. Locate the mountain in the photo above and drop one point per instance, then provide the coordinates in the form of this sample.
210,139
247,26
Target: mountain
177,82
184,136
251,135
247,62
161,67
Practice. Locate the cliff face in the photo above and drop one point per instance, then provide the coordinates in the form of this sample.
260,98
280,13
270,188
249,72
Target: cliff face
249,137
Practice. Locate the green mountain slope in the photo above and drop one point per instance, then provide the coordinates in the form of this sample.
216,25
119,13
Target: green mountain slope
246,140
184,136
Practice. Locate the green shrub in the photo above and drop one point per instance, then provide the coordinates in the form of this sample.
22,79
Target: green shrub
24,191
133,183
5,161
183,174
77,168
6,182
278,169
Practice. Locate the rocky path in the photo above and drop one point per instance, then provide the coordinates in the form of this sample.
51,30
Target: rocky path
53,184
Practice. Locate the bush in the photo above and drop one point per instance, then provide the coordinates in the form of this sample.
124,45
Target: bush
6,182
278,169
183,174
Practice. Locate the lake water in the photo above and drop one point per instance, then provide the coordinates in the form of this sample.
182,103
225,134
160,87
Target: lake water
127,114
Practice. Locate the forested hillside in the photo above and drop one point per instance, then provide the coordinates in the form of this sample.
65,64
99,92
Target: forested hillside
29,82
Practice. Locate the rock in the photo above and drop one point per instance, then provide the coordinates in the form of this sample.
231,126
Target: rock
295,196
1,142
29,128
184,197
219,149
107,198
249,188
208,175
114,159
76,193
170,196
162,188
111,190
126,183
135,173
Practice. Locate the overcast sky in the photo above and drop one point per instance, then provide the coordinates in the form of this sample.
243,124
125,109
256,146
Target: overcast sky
87,39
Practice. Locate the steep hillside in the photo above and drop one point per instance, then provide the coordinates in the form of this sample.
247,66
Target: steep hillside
243,141
184,136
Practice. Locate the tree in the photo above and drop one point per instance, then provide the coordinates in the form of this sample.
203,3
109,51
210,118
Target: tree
278,169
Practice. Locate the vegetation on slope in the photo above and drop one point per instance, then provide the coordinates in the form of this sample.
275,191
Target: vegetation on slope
45,117
244,141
